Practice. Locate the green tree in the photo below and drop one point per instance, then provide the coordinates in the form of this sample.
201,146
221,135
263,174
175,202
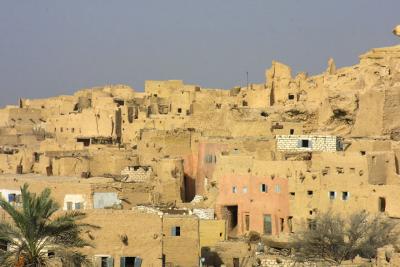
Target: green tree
34,229
332,238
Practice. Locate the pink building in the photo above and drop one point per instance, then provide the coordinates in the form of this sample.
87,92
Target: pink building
199,167
251,203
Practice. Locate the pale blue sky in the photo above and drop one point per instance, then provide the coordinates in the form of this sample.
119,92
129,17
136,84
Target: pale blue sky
52,47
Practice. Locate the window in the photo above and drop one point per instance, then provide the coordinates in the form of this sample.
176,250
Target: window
310,193
277,188
312,224
291,131
305,143
36,156
245,189
176,231
282,224
263,188
130,262
130,114
236,262
234,189
267,225
69,205
332,195
290,96
179,110
345,195
210,159
290,223
12,197
292,194
247,221
245,103
106,262
382,204
78,206
362,153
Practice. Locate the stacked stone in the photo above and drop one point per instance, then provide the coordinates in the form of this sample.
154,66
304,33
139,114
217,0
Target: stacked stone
138,175
205,214
315,143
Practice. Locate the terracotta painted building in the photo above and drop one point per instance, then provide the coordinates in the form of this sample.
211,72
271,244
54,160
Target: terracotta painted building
252,203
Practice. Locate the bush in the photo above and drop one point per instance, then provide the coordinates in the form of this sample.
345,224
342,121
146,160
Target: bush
334,239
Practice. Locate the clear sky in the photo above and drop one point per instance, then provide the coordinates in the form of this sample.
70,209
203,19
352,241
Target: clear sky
52,47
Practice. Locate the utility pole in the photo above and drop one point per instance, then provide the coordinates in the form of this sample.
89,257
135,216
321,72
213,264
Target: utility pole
247,79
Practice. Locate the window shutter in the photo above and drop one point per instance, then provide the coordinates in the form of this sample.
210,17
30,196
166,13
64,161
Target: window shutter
110,262
138,262
309,144
97,261
173,231
122,262
299,143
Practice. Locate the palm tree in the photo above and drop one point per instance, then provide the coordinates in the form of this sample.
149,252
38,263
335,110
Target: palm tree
35,229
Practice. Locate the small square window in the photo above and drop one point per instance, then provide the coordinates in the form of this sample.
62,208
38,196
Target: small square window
312,224
12,198
69,205
292,194
290,96
310,193
345,195
263,188
277,188
291,131
179,110
78,206
305,143
176,231
332,195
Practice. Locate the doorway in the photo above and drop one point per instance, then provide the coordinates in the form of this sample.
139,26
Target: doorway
267,224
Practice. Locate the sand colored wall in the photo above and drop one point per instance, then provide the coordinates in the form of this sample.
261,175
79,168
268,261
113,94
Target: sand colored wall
142,230
211,232
181,250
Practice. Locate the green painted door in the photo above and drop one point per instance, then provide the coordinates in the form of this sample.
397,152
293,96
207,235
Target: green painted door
267,225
